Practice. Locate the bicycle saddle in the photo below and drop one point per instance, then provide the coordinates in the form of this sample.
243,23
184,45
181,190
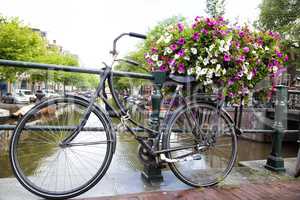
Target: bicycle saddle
182,79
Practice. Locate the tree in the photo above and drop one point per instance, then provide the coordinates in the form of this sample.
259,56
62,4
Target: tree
18,42
283,16
215,8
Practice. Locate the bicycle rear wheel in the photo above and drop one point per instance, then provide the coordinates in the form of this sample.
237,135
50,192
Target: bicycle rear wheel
51,170
204,136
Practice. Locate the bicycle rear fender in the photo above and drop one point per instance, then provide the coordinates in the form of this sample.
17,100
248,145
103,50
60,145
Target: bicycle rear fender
104,115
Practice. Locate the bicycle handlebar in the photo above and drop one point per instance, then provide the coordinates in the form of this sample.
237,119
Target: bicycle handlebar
137,35
131,34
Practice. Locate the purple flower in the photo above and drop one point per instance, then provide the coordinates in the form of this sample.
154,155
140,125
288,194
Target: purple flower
204,31
246,49
194,25
230,94
241,34
180,27
173,47
181,68
150,62
260,41
197,19
286,58
163,68
172,62
181,41
278,53
230,82
242,58
196,36
181,52
222,32
227,58
210,22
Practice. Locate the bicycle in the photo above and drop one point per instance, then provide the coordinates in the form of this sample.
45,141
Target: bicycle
71,140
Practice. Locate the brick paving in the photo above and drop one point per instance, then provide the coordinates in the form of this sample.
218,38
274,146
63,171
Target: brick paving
279,190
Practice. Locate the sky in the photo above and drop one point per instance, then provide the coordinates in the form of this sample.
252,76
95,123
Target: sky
87,27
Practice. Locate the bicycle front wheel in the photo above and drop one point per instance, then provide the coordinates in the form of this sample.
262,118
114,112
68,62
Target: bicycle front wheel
47,168
201,141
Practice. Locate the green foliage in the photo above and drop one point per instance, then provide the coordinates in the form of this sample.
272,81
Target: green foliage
18,42
283,16
215,8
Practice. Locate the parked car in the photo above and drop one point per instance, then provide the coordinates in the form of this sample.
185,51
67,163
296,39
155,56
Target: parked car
28,94
50,93
8,98
20,98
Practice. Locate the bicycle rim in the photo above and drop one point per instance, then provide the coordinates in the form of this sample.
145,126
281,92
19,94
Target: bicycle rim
208,164
49,170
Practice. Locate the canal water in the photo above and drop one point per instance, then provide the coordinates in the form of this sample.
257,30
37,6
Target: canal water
126,153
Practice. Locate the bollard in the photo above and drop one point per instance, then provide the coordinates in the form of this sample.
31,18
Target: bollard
275,162
152,172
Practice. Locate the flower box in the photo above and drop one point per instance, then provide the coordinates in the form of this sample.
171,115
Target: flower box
215,53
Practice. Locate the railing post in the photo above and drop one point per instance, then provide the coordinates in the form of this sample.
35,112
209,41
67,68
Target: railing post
152,172
275,162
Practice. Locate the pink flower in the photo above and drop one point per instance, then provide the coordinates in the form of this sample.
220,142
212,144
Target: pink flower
242,58
181,68
230,82
154,50
196,36
163,68
181,41
227,58
241,34
197,19
180,27
246,49
286,58
278,53
204,31
180,52
172,62
173,47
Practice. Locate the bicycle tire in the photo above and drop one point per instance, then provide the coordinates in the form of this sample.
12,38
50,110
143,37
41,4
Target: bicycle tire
56,172
197,171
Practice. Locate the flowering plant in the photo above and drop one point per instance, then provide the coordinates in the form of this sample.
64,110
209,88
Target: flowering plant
216,53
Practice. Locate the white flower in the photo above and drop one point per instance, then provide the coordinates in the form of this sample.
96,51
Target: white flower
249,76
254,52
267,48
159,63
176,56
154,57
186,58
224,71
211,47
203,71
190,71
168,50
207,82
216,54
213,61
218,67
168,39
206,61
275,69
200,58
147,55
222,42
198,70
194,51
